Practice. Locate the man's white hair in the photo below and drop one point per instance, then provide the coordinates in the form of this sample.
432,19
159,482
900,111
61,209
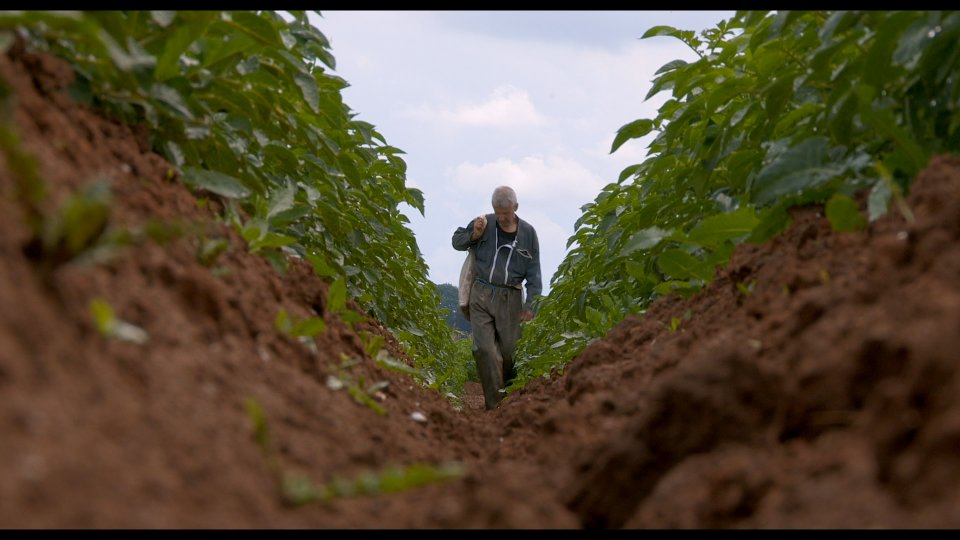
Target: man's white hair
504,197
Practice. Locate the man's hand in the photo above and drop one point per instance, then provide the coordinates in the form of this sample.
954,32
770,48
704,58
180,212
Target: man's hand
479,225
526,315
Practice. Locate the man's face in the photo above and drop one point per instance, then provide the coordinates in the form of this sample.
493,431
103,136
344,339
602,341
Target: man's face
505,216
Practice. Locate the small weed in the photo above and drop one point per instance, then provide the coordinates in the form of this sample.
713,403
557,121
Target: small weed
209,250
384,360
110,326
296,489
304,330
299,490
77,226
258,418
358,391
30,188
337,303
372,343
746,289
676,322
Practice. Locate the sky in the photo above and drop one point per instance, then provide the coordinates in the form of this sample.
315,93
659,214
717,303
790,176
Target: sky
529,99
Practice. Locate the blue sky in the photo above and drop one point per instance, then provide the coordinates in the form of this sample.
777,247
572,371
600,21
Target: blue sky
530,99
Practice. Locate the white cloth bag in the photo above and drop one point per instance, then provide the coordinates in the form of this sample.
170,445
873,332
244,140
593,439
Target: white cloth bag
467,274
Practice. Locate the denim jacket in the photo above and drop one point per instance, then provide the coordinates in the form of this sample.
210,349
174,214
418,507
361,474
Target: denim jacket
514,264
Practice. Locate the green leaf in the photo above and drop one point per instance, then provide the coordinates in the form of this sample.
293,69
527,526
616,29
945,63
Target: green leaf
309,327
628,172
270,239
337,295
877,68
798,168
282,321
680,287
842,115
885,123
670,66
777,94
281,156
253,231
308,87
80,222
163,18
219,51
844,214
415,199
661,30
633,130
174,46
385,361
879,200
103,316
773,221
681,265
719,228
282,199
644,239
912,43
215,182
256,27
171,98
123,59
686,36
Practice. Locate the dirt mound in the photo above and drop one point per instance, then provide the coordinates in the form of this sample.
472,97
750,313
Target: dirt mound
813,384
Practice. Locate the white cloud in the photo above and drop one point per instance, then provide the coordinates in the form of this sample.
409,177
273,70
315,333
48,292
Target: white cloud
536,179
507,106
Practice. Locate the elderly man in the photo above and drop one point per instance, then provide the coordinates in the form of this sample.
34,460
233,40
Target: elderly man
507,254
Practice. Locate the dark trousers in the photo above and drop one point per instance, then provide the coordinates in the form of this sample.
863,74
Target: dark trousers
495,318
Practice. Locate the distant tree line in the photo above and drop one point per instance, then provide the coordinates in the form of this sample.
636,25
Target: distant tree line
449,300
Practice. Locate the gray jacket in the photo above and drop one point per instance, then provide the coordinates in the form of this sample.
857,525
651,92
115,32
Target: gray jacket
513,266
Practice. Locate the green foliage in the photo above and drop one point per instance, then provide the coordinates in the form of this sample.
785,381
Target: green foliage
464,354
844,214
779,109
242,104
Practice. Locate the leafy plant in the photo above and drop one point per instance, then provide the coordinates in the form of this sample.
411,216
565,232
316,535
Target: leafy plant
778,109
242,104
